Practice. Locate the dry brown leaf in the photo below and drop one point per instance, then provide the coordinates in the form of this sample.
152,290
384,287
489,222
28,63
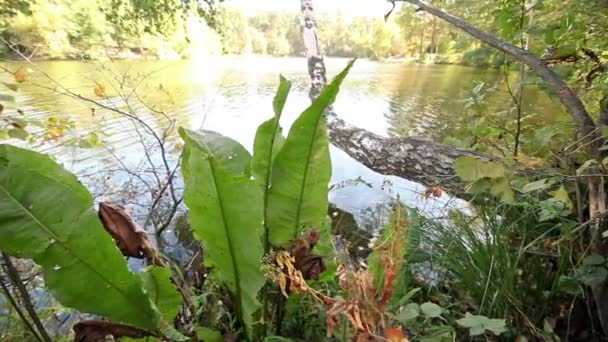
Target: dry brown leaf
94,331
395,335
131,239
309,264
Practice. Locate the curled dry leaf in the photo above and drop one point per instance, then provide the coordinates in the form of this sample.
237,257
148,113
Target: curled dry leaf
94,331
131,239
395,335
309,264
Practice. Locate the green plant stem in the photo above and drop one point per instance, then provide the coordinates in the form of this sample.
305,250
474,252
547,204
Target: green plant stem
13,275
14,304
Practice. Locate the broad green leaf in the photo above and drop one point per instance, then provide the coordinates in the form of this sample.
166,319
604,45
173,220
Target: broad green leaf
46,216
269,138
542,184
268,142
168,330
7,98
562,195
162,292
594,260
225,213
409,312
41,164
480,324
431,309
302,171
496,326
480,186
209,335
569,285
472,169
502,188
552,208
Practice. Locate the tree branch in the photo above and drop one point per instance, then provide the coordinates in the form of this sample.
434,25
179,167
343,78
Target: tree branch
20,312
572,103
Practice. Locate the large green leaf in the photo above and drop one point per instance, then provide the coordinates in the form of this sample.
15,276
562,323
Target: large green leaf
46,215
301,172
472,169
226,213
268,142
161,291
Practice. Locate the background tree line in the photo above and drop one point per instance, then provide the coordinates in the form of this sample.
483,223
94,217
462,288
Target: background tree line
59,29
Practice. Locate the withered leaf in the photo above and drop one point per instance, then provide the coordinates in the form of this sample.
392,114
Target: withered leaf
94,331
131,239
309,264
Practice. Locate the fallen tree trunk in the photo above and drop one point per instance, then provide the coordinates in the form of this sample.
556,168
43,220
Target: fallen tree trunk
418,160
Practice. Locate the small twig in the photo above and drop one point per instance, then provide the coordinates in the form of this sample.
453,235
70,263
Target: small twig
13,275
14,304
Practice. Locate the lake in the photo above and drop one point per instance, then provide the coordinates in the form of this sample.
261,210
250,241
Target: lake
233,95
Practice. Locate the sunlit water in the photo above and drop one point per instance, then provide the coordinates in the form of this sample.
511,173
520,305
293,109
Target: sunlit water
233,96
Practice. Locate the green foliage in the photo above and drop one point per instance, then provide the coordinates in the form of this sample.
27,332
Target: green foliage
69,244
268,142
486,262
162,293
91,29
209,335
473,169
217,176
478,325
301,172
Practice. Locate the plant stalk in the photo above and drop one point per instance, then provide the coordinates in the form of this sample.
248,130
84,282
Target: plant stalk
13,275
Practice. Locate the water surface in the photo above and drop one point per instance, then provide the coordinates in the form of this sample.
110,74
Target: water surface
233,95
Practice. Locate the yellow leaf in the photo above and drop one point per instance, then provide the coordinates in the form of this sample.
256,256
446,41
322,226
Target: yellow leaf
100,90
529,161
20,76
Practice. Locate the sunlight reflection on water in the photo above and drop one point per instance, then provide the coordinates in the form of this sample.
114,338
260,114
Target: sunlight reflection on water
233,95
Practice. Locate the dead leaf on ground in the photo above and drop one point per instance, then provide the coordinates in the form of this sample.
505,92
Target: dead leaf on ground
131,239
94,331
